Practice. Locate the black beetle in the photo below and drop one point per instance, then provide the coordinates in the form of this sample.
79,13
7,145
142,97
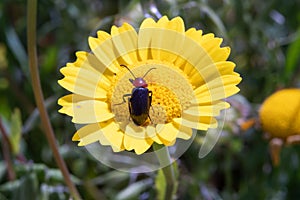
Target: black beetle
140,99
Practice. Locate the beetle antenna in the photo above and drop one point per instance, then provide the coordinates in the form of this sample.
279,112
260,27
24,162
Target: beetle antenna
128,70
148,71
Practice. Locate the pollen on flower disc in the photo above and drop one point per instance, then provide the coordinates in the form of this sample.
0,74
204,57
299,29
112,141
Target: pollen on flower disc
280,113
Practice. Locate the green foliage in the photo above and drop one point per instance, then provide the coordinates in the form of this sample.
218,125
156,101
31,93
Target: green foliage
15,130
292,58
161,183
265,43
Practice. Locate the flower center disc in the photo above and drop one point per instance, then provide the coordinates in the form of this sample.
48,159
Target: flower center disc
171,91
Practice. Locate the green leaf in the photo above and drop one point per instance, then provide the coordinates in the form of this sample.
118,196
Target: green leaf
55,175
2,197
2,170
133,190
28,189
25,188
10,186
16,130
292,57
160,185
214,18
160,182
112,177
50,60
17,48
32,120
5,110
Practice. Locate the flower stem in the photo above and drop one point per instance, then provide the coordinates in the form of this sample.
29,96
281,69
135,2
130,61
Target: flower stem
39,98
168,171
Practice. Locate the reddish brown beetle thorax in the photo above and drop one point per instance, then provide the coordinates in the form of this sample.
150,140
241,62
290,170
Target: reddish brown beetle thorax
139,82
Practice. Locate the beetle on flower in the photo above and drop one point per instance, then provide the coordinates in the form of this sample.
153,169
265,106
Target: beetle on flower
189,84
141,98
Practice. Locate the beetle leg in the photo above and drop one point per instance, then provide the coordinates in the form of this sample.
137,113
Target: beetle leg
129,108
150,101
124,100
150,118
150,97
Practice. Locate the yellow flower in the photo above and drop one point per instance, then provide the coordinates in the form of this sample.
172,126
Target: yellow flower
186,71
280,113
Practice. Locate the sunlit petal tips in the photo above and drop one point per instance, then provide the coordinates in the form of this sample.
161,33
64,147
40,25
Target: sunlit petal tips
186,72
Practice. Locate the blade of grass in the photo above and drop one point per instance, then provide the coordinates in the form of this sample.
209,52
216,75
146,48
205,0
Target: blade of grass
17,48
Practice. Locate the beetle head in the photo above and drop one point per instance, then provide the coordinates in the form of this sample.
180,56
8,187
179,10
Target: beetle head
139,82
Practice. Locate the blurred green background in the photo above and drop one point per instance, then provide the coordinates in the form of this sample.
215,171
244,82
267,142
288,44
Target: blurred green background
264,37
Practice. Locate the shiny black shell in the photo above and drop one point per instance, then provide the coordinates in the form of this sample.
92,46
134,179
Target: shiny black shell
139,105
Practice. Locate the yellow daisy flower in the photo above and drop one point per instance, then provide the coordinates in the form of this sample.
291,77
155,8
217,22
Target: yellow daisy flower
279,114
185,74
280,119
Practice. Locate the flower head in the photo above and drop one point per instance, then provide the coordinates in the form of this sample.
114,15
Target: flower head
185,73
280,113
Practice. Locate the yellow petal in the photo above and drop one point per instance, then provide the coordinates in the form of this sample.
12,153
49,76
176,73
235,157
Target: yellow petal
104,50
89,134
216,94
75,137
176,24
194,54
163,22
212,47
199,123
67,103
81,61
114,136
125,41
194,34
164,39
186,67
66,110
204,50
69,99
168,39
136,139
151,133
219,54
107,133
206,110
144,38
90,111
84,82
185,132
92,61
167,133
217,89
211,72
218,82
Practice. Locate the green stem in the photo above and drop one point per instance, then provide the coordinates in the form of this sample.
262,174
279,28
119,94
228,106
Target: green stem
39,98
163,156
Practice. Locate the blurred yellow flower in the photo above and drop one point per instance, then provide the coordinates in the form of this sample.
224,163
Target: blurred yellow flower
190,80
280,113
